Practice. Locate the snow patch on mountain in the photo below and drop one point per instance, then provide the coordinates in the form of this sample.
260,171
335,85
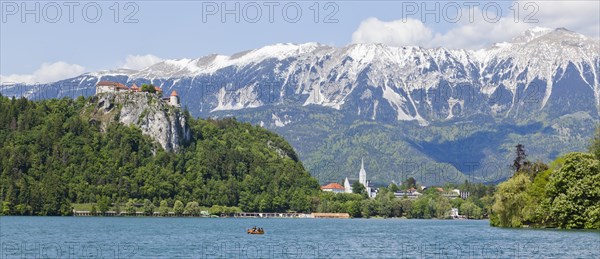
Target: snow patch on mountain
280,122
359,77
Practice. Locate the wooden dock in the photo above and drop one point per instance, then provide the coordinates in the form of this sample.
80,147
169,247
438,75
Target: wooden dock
270,215
84,213
330,215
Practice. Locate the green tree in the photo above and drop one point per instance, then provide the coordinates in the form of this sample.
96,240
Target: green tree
148,88
520,159
595,145
409,183
509,202
384,201
130,207
300,202
148,207
6,208
163,208
407,205
470,210
358,188
423,207
442,207
178,207
573,192
192,208
368,208
103,204
393,188
532,169
353,208
397,210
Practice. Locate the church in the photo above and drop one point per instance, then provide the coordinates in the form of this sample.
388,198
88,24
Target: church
362,179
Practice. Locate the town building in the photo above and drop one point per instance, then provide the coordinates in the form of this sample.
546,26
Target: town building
454,213
362,179
411,193
110,87
333,187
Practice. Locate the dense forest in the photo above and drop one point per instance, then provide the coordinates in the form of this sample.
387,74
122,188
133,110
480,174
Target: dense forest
563,194
51,157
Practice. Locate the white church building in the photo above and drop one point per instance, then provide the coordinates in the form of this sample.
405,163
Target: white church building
362,179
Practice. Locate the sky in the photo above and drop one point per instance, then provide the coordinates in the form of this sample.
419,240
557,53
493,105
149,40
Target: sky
43,42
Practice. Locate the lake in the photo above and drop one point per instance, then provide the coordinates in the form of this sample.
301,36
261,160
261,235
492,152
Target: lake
122,237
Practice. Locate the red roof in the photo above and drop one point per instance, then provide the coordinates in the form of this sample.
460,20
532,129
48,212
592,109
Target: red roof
112,84
174,93
157,89
108,83
333,186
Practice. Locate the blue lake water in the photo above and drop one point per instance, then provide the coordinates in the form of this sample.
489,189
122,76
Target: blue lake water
98,237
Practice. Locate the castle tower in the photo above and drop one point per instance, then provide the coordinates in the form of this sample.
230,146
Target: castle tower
362,175
174,99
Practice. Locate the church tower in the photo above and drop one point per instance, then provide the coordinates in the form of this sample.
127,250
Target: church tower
362,175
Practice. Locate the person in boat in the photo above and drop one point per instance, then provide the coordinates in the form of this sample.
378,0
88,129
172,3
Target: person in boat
253,229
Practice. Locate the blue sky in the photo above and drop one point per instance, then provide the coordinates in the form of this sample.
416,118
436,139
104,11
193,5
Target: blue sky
56,48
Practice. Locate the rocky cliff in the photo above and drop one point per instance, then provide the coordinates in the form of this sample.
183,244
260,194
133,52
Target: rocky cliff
153,116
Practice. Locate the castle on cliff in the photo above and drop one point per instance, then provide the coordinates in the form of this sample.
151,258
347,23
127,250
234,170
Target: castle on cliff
116,87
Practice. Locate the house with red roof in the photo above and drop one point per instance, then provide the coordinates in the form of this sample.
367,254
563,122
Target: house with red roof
333,187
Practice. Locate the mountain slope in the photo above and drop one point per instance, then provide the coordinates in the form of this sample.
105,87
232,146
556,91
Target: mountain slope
526,86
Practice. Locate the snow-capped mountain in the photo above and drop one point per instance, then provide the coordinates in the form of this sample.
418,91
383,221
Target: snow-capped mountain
380,82
543,75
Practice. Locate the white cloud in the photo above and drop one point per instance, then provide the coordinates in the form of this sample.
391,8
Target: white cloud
138,62
479,32
394,33
52,72
578,16
47,73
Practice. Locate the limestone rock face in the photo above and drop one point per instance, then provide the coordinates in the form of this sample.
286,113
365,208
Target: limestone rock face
152,115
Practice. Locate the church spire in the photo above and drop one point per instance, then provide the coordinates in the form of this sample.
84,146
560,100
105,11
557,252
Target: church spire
362,163
362,175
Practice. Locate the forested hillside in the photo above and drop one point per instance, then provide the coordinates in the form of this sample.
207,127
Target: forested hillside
52,155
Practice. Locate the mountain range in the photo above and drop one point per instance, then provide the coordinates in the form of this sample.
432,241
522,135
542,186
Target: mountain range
433,113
